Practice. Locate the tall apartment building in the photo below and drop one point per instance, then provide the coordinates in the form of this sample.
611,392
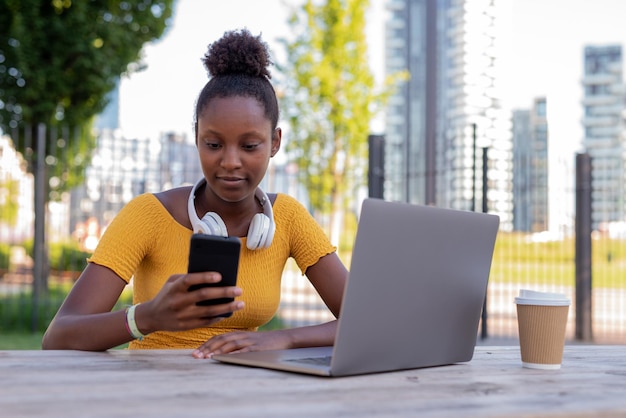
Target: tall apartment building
454,51
604,122
530,168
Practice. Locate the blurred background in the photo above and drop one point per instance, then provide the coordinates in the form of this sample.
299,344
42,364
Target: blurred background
512,107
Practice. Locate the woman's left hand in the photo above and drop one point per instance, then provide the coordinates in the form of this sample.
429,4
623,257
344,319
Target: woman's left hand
240,341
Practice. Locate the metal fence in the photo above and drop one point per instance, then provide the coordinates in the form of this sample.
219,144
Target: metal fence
75,219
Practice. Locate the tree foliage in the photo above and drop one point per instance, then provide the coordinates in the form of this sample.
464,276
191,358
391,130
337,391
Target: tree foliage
9,193
329,99
58,61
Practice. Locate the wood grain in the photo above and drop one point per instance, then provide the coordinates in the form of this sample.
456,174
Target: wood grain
168,383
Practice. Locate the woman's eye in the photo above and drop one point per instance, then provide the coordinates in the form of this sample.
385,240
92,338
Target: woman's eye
250,147
212,145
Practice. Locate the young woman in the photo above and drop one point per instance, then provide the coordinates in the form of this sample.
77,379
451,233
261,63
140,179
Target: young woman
236,135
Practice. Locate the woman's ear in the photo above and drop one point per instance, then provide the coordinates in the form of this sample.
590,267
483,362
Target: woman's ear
276,138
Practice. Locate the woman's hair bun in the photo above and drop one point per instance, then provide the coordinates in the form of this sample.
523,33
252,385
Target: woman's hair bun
238,52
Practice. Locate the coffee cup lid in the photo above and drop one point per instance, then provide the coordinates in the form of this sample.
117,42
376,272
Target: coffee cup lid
532,297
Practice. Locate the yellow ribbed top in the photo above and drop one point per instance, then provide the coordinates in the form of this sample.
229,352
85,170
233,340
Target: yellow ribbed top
145,243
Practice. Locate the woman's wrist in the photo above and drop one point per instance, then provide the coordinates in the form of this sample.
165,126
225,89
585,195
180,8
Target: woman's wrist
136,322
309,336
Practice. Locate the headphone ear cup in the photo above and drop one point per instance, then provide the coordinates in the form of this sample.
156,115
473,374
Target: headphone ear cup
262,227
271,228
214,225
258,231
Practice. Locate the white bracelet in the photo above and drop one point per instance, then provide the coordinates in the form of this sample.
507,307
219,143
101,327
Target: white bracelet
132,325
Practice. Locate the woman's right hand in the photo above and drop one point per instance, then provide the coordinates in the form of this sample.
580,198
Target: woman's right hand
85,320
175,307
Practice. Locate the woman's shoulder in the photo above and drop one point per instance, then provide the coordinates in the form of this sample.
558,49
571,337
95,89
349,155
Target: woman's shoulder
175,202
289,209
171,200
173,197
285,202
142,202
283,199
169,204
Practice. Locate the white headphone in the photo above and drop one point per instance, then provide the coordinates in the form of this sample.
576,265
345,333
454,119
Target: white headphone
262,227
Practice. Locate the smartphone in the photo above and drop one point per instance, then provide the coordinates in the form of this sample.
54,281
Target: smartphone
215,253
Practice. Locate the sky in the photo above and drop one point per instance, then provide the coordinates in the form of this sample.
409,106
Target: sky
162,97
547,38
547,44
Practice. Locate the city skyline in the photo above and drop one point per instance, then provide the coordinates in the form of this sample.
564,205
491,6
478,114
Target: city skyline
546,56
547,41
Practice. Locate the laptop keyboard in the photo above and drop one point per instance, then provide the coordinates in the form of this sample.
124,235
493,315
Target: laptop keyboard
317,361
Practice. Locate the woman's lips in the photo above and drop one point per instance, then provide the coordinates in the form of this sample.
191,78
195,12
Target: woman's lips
230,180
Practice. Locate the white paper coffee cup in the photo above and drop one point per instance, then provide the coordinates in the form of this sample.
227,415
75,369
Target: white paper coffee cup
542,320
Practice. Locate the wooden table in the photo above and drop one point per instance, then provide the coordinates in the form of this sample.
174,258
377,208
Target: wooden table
125,383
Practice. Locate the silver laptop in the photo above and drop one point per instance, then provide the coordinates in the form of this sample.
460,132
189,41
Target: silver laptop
414,296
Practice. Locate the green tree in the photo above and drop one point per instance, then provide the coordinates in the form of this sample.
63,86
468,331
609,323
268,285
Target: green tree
9,193
329,99
59,59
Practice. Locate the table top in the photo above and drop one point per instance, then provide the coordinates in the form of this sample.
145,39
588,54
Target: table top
125,383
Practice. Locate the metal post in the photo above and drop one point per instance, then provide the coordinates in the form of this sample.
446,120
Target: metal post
485,182
473,207
39,270
408,108
483,329
430,120
376,169
583,330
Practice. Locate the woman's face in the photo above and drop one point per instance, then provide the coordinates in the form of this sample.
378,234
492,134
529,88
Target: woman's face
235,142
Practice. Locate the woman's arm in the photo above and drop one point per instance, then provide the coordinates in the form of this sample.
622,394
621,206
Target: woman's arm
85,320
328,276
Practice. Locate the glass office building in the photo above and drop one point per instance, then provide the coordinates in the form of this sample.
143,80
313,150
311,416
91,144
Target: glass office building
530,168
604,103
452,108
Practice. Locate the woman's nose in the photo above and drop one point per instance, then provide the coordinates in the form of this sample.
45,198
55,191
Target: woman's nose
230,158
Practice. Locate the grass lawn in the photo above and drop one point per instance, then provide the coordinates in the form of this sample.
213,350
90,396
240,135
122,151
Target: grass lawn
16,340
20,340
516,259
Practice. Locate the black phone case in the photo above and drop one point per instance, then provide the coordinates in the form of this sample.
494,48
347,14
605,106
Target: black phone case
215,253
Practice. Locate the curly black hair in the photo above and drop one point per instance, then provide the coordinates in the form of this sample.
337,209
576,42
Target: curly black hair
238,66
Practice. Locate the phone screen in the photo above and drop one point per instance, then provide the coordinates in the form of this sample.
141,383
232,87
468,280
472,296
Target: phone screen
215,253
